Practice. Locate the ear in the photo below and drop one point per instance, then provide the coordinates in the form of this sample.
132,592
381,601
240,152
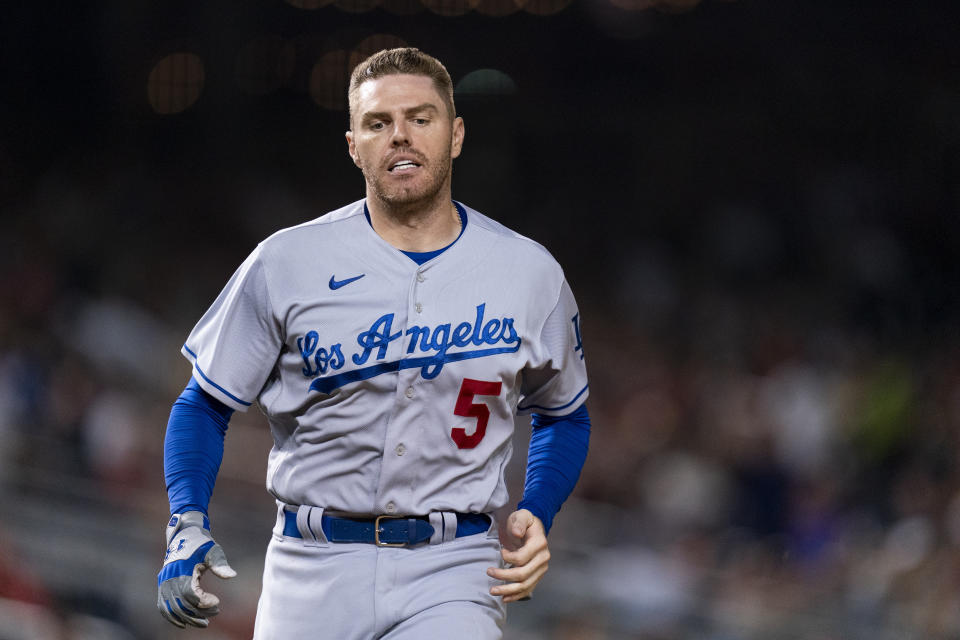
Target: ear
456,143
352,148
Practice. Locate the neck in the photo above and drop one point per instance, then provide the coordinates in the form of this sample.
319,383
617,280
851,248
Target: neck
418,226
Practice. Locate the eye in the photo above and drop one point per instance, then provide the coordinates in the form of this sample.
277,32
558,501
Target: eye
420,121
377,125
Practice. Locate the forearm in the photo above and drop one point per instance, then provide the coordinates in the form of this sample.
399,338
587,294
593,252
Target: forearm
558,449
193,448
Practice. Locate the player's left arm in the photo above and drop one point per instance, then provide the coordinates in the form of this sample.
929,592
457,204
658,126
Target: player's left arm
552,385
558,449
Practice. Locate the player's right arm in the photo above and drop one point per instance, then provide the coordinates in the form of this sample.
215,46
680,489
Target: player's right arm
193,450
233,349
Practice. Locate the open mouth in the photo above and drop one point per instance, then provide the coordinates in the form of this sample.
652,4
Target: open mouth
403,166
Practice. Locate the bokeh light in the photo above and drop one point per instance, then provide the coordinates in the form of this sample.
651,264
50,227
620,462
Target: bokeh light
370,45
623,19
356,6
675,6
450,7
402,7
664,6
330,76
175,83
486,82
499,8
633,5
265,64
545,7
308,4
329,80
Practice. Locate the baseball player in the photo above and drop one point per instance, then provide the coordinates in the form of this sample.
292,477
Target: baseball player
390,343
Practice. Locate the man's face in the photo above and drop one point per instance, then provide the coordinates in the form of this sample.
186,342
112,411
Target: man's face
403,139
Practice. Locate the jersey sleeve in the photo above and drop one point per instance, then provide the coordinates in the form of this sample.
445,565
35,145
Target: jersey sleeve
235,346
557,384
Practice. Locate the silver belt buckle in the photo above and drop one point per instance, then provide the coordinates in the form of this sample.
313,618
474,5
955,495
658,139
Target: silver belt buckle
377,530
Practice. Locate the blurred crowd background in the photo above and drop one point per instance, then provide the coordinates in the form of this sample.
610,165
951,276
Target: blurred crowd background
756,203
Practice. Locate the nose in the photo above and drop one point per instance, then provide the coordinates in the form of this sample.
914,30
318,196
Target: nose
401,135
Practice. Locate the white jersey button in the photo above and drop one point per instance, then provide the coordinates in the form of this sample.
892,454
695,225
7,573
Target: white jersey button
408,392
420,277
391,507
418,307
401,449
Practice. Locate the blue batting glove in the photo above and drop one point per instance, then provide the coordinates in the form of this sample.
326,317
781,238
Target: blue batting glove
190,551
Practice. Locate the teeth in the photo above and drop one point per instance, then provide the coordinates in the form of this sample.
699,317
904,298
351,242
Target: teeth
404,163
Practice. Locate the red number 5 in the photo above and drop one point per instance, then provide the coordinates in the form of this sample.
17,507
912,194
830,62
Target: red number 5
468,408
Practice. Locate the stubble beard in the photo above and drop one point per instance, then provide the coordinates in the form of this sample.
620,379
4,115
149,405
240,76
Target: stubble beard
404,199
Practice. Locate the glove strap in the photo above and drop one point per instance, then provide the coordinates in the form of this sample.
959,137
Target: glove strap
180,521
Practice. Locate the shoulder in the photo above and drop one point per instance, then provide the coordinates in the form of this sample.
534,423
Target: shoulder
311,235
522,268
509,240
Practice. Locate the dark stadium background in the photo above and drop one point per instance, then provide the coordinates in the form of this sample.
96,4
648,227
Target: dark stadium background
756,203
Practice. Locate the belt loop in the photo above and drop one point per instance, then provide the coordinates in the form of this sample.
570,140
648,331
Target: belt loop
308,523
493,532
444,525
449,525
281,520
436,521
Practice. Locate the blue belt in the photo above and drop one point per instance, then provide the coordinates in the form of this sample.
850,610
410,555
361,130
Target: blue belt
385,531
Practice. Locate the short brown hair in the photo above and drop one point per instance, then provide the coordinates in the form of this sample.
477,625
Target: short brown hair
402,60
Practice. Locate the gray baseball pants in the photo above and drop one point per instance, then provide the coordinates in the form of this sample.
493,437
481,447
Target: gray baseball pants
313,588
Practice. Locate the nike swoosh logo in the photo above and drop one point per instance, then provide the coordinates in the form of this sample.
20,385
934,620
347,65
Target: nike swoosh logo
336,284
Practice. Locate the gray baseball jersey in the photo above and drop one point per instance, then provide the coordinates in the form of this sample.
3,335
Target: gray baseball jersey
391,387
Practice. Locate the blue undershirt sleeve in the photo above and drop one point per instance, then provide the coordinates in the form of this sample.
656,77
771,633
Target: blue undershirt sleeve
193,448
558,449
